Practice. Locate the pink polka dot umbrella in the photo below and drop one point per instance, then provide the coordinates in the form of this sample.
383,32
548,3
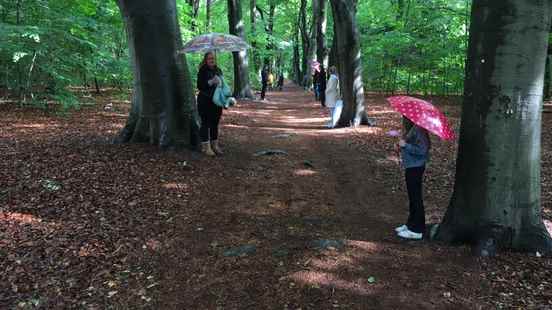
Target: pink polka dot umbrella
423,114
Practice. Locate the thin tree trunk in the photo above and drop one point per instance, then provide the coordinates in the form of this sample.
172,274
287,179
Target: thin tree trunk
194,4
97,85
242,88
304,40
321,25
208,15
18,65
349,63
163,105
497,194
253,19
296,57
310,55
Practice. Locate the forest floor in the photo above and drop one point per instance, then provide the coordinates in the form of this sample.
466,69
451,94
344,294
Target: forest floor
91,225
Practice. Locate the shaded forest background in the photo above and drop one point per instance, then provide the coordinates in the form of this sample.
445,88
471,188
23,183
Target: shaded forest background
48,46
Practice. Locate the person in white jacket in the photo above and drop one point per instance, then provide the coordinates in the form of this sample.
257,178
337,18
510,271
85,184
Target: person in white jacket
332,96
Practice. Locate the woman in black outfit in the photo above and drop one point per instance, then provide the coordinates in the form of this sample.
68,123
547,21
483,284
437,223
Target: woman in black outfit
207,81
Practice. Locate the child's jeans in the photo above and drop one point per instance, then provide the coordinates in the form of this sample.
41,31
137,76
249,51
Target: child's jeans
416,218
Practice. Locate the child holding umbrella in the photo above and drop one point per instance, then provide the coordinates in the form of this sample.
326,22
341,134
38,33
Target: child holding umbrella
414,146
420,117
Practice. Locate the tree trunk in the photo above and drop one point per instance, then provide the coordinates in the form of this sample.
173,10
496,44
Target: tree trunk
497,195
332,61
242,88
163,110
194,4
208,14
253,18
97,85
270,30
297,57
321,23
310,52
304,40
349,63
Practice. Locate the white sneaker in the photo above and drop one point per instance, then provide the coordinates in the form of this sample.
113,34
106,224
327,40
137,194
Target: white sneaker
401,228
407,234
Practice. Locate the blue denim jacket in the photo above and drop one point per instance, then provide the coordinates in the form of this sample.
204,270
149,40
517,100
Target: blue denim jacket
415,153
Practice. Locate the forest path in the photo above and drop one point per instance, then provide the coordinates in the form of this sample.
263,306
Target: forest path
338,189
86,223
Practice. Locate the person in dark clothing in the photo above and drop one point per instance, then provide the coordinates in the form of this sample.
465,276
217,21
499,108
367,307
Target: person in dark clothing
316,84
322,86
208,78
264,82
281,82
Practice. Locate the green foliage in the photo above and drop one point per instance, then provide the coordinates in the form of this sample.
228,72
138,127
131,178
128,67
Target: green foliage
421,50
48,45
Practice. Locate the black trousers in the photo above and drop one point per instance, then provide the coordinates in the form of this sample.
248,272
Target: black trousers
210,115
263,90
416,218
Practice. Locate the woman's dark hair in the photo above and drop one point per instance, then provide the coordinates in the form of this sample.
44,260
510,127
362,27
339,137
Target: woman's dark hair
204,61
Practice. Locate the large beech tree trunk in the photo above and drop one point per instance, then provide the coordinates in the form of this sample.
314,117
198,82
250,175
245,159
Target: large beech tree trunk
242,88
497,196
163,105
349,64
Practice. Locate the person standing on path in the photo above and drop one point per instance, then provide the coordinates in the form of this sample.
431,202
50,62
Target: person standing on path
332,94
208,78
414,147
264,82
322,86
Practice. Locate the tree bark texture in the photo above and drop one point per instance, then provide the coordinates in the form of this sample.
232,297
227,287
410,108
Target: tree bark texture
321,25
256,62
242,88
497,195
208,14
163,104
297,57
310,52
304,40
349,64
194,4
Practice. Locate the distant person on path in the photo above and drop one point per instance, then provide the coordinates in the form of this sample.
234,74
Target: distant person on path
322,87
281,82
208,78
270,80
264,82
414,147
332,95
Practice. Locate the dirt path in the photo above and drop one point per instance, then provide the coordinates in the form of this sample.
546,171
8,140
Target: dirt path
91,225
332,186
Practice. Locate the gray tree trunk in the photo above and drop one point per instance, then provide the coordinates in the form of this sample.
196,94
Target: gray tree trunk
497,195
194,4
163,104
242,88
297,57
304,40
253,19
310,52
321,25
349,64
208,13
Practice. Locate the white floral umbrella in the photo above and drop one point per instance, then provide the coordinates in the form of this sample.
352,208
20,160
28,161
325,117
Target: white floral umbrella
215,42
